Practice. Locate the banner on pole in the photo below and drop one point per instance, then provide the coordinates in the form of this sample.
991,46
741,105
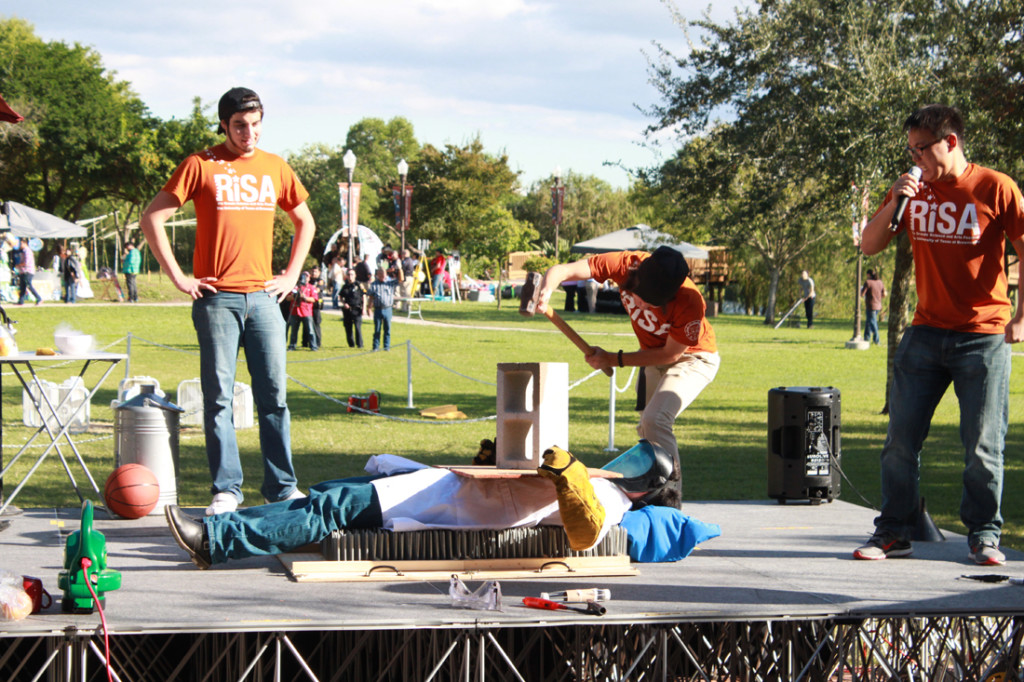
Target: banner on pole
557,199
403,206
347,211
343,196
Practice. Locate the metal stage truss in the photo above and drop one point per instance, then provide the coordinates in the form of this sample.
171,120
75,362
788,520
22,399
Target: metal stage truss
931,648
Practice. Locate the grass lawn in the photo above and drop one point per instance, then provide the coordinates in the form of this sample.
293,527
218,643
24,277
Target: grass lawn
722,436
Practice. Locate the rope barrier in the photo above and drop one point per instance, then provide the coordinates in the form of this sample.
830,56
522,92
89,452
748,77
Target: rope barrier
333,357
449,369
349,408
356,408
77,442
629,381
133,337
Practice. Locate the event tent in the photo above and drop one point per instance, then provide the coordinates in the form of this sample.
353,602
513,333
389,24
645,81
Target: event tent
637,238
369,243
23,221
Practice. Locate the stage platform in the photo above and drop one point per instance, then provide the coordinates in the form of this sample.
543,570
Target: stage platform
774,564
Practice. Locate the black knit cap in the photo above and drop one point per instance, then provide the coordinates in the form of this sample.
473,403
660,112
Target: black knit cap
236,100
660,276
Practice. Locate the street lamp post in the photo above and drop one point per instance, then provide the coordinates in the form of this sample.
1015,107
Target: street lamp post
403,171
349,160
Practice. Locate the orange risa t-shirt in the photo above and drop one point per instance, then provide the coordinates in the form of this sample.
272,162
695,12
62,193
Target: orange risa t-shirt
958,231
234,198
682,318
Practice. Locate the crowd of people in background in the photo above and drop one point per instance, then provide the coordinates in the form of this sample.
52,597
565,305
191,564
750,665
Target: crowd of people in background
351,292
67,267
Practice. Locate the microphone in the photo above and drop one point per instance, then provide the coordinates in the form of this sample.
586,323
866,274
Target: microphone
901,201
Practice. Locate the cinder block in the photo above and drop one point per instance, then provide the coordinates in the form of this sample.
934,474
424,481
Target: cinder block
533,412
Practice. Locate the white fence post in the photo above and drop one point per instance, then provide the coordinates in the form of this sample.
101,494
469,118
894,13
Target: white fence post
611,411
408,371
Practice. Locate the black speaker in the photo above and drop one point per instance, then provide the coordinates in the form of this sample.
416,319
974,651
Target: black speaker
804,449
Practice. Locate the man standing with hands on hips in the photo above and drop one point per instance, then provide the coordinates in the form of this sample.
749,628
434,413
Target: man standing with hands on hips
235,189
958,216
677,351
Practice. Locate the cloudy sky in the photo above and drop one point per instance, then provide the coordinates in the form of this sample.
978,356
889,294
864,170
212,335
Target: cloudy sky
549,82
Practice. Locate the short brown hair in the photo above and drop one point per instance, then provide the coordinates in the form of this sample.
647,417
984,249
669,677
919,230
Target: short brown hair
939,119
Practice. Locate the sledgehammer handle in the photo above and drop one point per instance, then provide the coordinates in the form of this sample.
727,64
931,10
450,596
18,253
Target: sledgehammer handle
573,336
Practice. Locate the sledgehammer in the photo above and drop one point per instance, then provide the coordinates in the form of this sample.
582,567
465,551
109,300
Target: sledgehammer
528,308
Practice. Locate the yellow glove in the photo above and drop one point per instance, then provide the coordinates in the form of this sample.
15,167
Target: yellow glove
582,513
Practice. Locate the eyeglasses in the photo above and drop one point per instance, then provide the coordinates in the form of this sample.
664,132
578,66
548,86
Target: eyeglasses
918,149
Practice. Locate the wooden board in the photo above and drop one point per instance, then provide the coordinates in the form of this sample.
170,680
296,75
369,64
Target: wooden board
438,411
305,568
471,471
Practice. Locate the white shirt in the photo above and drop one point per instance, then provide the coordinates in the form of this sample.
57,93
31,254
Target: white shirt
429,497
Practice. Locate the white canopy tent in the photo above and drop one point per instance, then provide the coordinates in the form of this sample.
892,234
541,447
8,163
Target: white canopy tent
18,220
369,243
23,221
638,238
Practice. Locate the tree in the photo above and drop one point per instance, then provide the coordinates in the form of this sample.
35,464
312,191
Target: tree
986,65
379,146
456,187
798,76
319,168
814,92
496,235
740,203
464,195
591,207
90,134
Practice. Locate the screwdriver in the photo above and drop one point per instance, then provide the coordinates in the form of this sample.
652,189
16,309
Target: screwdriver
593,608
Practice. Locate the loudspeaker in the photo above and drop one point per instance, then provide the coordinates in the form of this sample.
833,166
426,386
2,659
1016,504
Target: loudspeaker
804,448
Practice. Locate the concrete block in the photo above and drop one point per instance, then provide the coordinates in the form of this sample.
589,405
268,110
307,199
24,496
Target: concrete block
533,412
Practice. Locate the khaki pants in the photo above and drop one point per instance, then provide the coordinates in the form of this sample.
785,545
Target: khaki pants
670,390
405,291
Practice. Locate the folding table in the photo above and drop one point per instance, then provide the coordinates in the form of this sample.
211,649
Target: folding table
24,365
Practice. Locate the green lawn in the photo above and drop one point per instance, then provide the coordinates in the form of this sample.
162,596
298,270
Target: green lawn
722,436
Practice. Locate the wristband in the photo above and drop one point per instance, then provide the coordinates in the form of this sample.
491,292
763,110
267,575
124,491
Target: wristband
620,357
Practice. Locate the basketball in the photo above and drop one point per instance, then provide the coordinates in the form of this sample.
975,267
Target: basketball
132,491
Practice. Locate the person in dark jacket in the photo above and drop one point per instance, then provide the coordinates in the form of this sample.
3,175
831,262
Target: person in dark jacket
351,297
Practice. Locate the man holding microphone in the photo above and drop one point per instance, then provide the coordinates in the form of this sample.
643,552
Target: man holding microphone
958,216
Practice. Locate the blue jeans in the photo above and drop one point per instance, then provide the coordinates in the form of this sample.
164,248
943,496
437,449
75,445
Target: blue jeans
926,362
871,329
293,331
284,526
25,286
382,322
70,291
224,323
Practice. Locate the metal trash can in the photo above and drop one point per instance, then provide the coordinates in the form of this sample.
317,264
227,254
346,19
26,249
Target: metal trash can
804,447
146,432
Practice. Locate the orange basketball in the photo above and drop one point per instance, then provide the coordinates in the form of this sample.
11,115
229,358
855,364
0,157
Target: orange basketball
132,491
